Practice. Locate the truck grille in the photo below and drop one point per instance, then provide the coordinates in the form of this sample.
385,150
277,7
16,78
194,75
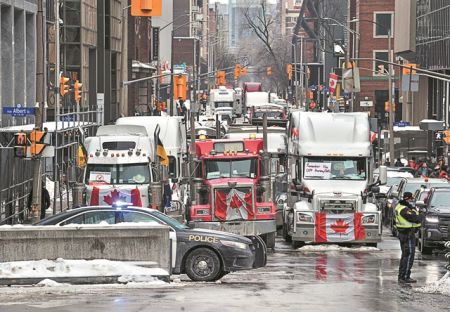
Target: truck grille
443,224
233,203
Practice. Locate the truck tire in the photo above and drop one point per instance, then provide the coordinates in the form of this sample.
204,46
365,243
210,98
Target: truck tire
269,239
286,236
203,265
297,244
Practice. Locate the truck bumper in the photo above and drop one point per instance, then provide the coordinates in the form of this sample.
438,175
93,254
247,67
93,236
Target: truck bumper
306,233
239,227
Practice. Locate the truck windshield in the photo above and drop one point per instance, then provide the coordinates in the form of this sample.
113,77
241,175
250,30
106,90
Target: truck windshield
223,104
334,168
228,168
269,114
117,174
441,200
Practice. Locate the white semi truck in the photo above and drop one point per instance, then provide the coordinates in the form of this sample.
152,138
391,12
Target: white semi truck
119,166
330,172
222,102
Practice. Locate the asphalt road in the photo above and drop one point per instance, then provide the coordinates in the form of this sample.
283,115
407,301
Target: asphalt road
294,280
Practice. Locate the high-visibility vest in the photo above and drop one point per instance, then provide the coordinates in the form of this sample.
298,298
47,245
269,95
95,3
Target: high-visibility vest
402,223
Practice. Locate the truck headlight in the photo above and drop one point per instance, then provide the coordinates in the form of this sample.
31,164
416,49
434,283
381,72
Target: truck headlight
234,244
303,217
432,219
370,219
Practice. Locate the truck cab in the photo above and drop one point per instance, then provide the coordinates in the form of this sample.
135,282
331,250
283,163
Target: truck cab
230,192
331,165
119,166
222,102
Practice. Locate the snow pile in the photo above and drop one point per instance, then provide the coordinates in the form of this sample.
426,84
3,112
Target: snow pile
76,268
50,283
336,248
440,287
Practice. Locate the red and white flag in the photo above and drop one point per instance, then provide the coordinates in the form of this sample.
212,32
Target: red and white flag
110,196
332,83
235,205
339,227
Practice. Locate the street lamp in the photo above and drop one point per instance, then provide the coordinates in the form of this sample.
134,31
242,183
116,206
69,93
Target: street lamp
391,86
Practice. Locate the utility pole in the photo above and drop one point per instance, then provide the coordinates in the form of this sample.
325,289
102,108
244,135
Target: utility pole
40,96
57,103
391,115
123,106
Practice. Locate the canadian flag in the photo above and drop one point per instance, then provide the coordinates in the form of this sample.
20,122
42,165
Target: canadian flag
332,82
110,196
339,227
235,205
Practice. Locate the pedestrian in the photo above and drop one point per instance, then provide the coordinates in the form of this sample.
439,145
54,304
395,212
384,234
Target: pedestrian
423,171
398,163
412,163
387,163
45,201
408,221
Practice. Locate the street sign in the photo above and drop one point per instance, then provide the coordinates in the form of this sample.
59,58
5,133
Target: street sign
19,111
438,136
68,118
179,68
366,103
402,124
155,44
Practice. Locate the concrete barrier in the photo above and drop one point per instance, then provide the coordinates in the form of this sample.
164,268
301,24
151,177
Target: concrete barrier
121,243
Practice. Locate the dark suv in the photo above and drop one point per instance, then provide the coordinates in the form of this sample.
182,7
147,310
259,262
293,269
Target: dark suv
434,231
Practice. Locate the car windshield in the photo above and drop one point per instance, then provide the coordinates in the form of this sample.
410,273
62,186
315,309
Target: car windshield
334,168
440,200
229,168
412,187
169,221
393,180
118,174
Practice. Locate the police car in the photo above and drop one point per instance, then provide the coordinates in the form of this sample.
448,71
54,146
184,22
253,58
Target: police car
204,255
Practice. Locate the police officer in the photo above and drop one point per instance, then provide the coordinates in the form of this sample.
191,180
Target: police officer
408,221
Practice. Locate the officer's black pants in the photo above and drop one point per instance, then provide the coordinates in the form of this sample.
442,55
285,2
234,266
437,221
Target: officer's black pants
408,246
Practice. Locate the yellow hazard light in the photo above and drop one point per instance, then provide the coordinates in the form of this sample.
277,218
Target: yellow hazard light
202,137
252,136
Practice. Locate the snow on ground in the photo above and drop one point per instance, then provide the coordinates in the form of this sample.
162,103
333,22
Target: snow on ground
336,248
440,287
50,283
76,268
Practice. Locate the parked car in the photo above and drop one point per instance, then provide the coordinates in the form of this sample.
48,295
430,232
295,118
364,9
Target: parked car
410,185
434,231
204,255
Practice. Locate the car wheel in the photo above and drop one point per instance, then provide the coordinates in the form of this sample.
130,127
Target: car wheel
423,249
286,236
203,265
297,244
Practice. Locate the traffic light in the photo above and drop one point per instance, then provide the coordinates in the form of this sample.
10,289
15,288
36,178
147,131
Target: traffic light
269,71
20,145
237,71
446,137
221,78
63,85
37,142
386,107
146,7
180,87
289,71
77,91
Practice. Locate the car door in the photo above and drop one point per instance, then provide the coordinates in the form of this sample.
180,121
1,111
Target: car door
142,217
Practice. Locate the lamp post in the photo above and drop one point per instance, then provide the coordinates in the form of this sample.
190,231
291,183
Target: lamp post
391,87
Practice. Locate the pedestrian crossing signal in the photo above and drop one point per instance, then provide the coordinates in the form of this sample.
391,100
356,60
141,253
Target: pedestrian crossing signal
20,145
37,142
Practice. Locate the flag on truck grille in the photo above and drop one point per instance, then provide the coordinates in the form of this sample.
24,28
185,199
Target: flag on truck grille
236,205
160,150
344,227
110,196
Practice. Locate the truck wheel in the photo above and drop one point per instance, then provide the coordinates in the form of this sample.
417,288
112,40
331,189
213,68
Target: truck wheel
269,239
286,236
423,249
297,244
203,265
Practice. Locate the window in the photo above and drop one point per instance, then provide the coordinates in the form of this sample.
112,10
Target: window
173,167
383,24
117,174
334,168
380,55
223,168
93,217
133,216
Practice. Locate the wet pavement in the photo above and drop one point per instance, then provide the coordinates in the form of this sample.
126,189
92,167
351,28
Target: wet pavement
354,279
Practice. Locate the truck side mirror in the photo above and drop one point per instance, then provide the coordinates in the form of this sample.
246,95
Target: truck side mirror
382,177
